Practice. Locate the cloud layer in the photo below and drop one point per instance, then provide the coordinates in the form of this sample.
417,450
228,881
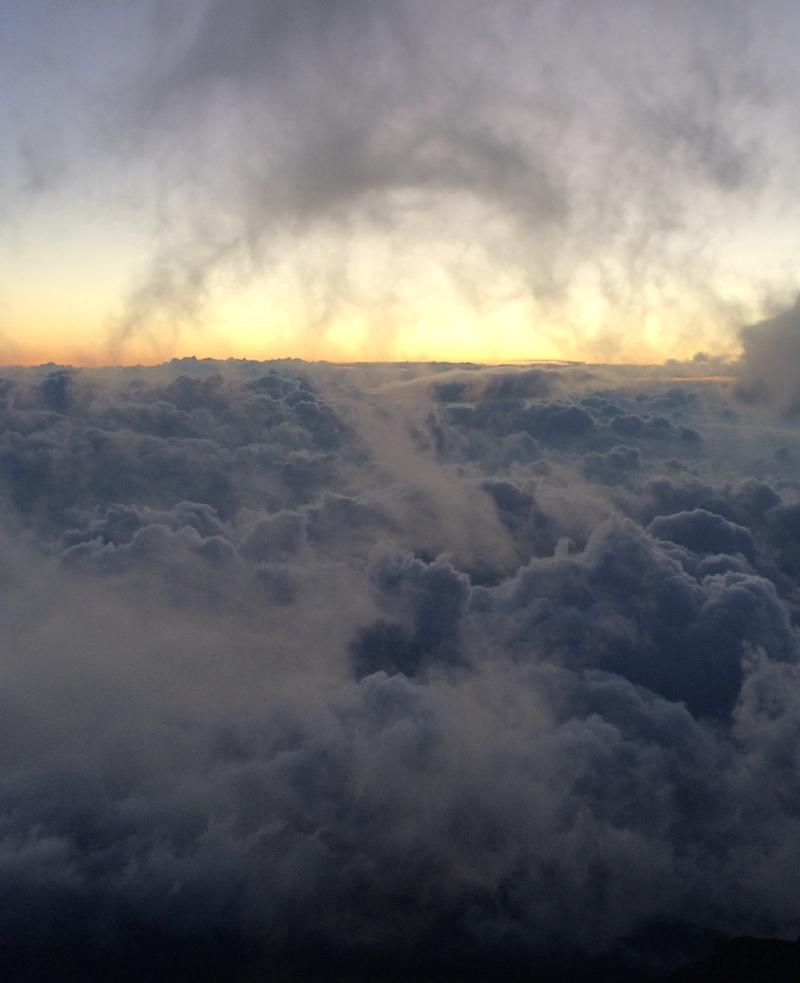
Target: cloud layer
307,661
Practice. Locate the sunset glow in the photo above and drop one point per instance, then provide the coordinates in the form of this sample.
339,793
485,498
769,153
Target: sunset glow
399,491
172,198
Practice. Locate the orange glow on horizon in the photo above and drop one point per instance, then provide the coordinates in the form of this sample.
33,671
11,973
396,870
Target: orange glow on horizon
86,329
89,356
465,337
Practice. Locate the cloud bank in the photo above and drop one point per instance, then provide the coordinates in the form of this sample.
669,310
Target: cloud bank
394,666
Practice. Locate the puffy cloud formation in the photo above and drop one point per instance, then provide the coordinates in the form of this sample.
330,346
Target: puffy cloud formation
769,364
413,666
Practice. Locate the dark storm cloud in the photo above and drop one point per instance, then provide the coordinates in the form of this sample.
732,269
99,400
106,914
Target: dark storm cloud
247,701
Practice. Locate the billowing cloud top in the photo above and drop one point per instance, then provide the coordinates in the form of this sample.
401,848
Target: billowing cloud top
394,667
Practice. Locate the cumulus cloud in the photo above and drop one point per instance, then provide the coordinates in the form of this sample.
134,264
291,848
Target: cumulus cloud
311,663
767,371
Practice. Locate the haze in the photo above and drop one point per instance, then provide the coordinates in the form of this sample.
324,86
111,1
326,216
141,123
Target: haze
606,181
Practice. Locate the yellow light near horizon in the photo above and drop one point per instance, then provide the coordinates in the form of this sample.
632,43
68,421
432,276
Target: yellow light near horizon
372,293
77,334
72,315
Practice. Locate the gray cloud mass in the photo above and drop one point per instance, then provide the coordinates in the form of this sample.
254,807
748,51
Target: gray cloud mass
307,662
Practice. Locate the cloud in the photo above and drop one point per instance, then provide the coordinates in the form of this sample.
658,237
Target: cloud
405,669
770,350
703,532
313,666
307,150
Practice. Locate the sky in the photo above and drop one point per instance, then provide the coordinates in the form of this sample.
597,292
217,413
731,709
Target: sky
603,181
399,490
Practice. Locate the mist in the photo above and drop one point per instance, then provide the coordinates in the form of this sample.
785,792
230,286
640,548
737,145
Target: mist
382,180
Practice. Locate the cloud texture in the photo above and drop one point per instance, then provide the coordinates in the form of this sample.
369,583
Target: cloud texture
306,661
590,180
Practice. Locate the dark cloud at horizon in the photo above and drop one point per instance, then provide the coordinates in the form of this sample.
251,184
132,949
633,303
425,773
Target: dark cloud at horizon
381,663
